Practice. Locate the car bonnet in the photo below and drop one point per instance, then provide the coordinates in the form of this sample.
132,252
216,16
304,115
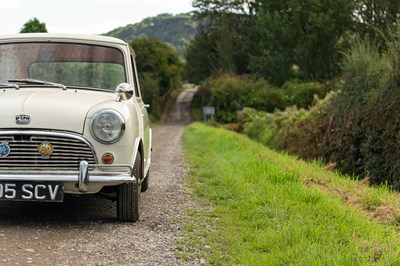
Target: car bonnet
51,109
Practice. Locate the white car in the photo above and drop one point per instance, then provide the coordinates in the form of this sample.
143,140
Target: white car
72,120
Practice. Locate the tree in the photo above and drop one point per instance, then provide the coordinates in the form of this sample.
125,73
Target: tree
376,18
268,37
218,44
33,25
200,56
304,33
160,70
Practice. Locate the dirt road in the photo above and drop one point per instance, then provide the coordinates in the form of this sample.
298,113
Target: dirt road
85,231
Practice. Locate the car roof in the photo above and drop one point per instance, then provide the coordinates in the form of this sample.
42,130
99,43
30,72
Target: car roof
61,37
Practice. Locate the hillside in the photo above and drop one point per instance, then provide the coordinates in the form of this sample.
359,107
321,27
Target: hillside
173,29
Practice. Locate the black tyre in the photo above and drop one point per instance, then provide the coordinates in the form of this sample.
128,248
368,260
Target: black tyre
145,182
128,196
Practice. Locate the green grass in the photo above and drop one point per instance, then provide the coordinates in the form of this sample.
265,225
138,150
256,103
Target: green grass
261,212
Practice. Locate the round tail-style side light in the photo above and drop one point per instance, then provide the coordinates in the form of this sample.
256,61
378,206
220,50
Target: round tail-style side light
107,158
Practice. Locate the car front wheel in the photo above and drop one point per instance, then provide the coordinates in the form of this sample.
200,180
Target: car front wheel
128,196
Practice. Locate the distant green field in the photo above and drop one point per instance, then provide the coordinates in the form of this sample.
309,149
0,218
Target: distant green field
258,210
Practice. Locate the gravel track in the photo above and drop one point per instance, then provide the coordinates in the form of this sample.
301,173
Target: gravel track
85,231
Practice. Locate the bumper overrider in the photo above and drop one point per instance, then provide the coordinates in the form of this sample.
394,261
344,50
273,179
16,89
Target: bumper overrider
83,178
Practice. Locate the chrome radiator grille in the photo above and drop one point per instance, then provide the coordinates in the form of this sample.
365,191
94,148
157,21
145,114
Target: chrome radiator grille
68,151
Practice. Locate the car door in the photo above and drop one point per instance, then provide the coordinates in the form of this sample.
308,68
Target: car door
145,117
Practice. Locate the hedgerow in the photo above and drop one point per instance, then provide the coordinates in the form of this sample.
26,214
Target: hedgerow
297,131
230,93
357,128
363,134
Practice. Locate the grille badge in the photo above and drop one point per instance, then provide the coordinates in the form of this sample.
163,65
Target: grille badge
4,149
45,149
22,119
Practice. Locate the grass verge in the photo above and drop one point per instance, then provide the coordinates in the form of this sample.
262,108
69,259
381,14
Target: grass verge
267,208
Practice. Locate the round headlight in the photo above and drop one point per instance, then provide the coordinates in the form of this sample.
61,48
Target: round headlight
107,126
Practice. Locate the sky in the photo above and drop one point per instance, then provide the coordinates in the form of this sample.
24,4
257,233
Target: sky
83,16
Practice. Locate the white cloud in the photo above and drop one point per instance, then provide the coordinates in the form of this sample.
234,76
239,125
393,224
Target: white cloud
9,5
118,2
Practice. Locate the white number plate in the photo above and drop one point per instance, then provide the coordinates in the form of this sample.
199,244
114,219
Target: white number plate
32,191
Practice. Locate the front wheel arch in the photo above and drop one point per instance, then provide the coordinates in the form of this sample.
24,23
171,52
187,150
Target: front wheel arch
140,149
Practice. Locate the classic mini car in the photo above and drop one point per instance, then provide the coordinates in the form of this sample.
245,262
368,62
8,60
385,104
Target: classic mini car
72,120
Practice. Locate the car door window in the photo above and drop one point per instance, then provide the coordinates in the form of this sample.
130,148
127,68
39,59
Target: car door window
135,77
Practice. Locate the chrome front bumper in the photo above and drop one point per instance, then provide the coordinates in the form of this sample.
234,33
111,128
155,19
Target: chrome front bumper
82,179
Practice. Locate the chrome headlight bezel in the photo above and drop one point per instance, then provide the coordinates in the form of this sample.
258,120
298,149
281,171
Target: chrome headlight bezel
101,137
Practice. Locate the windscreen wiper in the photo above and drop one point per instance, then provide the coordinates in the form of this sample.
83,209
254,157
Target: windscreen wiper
40,82
8,85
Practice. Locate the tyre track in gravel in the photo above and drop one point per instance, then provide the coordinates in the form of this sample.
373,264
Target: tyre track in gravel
85,231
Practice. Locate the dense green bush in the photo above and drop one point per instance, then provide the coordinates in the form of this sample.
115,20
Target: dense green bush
362,137
230,93
297,131
159,70
302,94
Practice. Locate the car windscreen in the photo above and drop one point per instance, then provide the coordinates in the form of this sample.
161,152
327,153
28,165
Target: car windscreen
71,64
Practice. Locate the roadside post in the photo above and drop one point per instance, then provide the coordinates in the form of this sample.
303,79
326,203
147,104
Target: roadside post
208,112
